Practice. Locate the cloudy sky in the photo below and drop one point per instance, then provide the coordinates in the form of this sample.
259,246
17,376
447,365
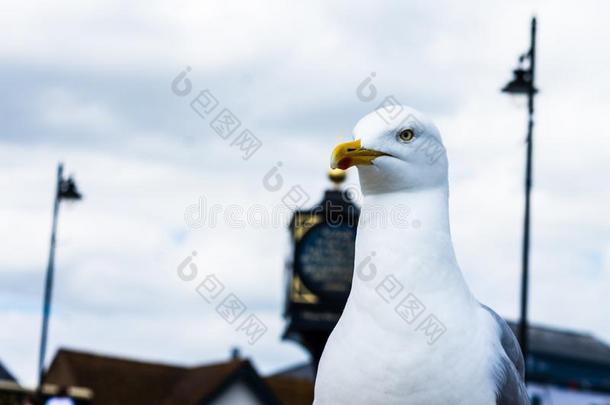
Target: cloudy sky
89,83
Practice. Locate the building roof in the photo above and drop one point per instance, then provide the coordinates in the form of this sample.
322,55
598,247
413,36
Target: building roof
5,374
291,390
122,381
566,344
294,385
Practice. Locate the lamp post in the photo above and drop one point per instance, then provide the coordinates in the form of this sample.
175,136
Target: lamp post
523,84
66,190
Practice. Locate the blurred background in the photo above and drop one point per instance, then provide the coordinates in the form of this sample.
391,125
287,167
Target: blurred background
91,84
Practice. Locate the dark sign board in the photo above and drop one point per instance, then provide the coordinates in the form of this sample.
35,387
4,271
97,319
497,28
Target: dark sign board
320,270
324,260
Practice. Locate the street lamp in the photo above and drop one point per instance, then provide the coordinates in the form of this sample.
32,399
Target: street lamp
66,190
523,84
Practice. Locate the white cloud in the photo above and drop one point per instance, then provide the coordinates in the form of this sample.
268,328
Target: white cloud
61,109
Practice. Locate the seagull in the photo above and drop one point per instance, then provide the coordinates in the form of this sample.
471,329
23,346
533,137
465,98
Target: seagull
411,331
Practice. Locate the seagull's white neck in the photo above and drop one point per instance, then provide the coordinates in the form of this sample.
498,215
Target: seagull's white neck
406,235
427,212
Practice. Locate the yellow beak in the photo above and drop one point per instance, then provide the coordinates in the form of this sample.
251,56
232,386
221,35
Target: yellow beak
348,154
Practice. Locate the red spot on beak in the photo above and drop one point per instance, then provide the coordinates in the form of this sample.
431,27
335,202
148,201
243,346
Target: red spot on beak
344,163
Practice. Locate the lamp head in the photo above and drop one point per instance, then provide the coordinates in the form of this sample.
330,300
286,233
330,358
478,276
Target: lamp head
68,190
521,83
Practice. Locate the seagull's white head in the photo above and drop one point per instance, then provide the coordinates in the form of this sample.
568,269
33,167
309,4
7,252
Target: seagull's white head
395,148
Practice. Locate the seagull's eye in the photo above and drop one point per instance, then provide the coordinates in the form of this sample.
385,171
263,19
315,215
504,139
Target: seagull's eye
406,135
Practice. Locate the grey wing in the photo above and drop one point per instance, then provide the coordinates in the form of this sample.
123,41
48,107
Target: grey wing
512,389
